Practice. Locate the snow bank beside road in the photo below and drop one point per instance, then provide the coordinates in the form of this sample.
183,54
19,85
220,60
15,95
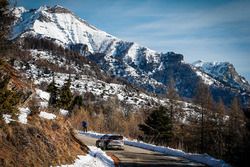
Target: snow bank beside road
101,155
201,158
95,158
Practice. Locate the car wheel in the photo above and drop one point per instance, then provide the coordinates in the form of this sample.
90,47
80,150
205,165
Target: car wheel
105,146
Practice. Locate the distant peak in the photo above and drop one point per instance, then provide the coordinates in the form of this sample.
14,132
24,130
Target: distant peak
44,7
54,9
58,9
200,63
58,6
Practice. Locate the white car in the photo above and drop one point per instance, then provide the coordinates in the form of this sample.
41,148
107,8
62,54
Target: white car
110,141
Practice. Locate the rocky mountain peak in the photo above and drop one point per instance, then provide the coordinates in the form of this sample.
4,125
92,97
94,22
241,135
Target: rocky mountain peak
224,72
58,9
130,61
172,58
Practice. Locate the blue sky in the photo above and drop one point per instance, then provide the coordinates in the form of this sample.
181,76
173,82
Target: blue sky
209,30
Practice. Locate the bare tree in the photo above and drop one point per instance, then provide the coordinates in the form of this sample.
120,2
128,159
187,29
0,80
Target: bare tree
173,96
235,131
205,102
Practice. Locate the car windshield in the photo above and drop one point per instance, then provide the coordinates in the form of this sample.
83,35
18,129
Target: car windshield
116,137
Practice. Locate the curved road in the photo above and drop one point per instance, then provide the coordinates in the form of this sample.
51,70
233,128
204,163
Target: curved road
133,156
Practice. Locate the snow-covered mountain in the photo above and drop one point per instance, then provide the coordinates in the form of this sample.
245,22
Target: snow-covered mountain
138,65
223,72
60,24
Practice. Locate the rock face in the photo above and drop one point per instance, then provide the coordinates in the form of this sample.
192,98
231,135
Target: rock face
58,9
138,65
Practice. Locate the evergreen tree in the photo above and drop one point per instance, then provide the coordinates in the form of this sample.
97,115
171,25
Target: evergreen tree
8,99
66,95
6,20
53,90
78,101
158,126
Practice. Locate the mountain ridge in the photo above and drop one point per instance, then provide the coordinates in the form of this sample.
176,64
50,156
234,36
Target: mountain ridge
224,71
137,64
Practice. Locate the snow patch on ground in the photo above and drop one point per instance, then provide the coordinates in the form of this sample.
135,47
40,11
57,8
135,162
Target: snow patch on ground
22,117
207,80
47,115
44,104
7,118
63,112
98,153
43,95
201,158
95,158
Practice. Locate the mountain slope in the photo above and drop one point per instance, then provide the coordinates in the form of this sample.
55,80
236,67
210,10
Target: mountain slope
136,64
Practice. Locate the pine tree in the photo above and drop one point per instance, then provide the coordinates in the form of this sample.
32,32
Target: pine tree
53,90
66,95
8,98
158,126
6,20
78,102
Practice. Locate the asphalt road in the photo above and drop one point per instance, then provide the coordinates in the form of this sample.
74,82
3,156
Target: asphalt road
133,156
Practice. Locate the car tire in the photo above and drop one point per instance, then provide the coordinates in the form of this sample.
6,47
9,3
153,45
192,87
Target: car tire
105,146
97,144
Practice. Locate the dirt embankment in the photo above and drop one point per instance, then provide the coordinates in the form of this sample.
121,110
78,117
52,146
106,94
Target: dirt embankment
39,143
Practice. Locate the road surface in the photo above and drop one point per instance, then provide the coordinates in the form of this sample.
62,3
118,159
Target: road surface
133,156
